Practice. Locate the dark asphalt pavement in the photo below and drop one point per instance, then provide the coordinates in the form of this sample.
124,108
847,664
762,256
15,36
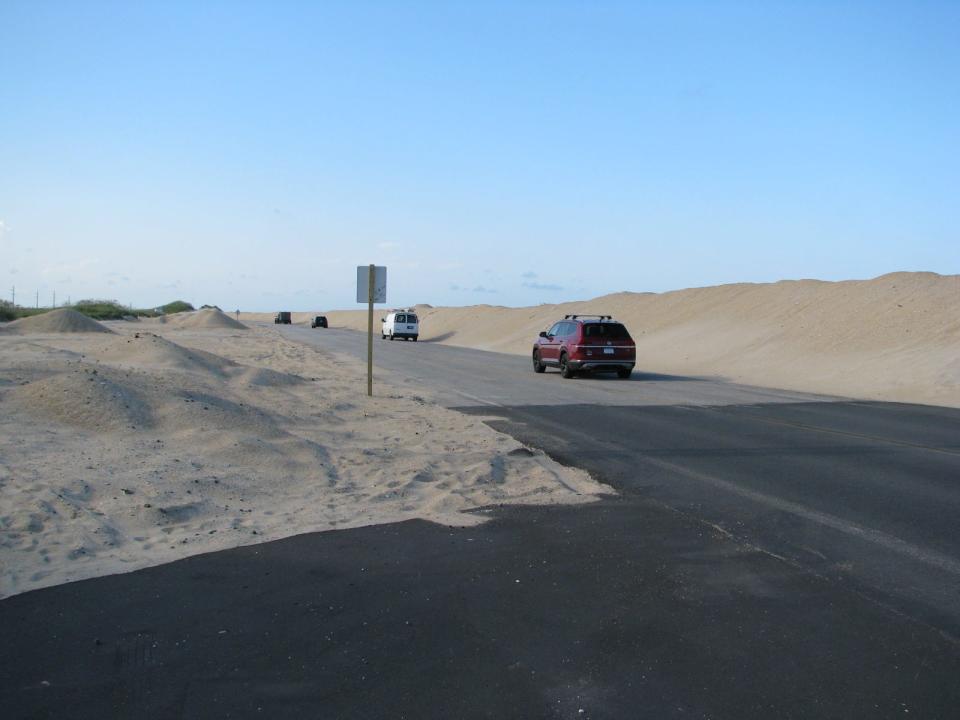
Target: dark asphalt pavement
769,555
865,494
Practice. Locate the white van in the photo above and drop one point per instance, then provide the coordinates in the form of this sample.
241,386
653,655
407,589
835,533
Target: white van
400,324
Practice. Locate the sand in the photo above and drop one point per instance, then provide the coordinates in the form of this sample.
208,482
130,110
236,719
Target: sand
893,338
206,319
126,450
63,320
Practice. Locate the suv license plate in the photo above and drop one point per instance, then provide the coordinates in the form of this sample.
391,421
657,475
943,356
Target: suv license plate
608,351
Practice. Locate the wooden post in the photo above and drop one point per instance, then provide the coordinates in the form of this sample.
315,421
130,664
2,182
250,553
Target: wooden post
370,280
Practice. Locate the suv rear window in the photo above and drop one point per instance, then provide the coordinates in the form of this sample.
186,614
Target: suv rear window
607,331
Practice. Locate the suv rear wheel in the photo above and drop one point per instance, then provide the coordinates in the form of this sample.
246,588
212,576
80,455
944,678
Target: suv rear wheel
538,367
624,373
565,370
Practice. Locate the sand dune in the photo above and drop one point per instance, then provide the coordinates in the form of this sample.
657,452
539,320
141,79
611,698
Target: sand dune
63,320
123,451
207,319
896,337
149,350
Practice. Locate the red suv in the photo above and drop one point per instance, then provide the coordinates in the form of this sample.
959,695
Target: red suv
589,343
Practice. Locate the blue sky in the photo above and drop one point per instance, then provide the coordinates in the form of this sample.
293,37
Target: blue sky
252,154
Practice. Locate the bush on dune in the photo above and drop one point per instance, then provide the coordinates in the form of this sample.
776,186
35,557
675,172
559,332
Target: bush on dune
175,307
104,309
9,311
96,309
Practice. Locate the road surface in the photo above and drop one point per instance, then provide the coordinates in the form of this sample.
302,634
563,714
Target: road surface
866,493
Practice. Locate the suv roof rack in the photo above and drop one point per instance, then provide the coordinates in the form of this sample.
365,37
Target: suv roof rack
574,317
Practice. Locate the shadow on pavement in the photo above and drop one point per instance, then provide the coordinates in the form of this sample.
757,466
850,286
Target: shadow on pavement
618,609
438,338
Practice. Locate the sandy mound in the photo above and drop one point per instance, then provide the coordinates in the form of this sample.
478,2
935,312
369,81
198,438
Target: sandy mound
891,338
87,398
210,318
147,350
63,320
121,452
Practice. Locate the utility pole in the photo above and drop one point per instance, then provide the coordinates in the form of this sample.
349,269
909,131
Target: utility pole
13,295
54,299
38,299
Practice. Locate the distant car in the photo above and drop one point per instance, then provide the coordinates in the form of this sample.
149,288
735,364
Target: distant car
585,343
319,321
402,324
282,318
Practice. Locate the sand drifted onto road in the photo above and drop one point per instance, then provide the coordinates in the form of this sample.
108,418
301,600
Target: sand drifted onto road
896,337
120,451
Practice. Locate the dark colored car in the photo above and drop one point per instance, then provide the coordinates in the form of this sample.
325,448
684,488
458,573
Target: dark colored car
585,343
319,321
282,318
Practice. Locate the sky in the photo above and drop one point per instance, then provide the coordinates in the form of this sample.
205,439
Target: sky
252,154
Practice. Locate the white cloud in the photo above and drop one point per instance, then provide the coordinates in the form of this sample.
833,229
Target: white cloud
542,286
477,289
388,245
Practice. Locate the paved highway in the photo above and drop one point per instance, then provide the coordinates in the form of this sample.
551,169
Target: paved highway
867,494
461,376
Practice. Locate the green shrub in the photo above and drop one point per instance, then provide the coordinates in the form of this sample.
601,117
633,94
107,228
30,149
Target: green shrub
175,307
102,309
9,311
96,309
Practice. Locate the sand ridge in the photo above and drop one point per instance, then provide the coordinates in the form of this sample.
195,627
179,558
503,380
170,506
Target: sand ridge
128,450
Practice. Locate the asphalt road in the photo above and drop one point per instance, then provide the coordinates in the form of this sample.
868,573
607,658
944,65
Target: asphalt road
768,555
462,376
866,493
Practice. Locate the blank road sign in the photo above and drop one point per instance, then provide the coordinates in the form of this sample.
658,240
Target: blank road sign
379,283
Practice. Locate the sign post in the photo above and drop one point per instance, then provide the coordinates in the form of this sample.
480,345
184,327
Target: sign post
370,283
371,288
